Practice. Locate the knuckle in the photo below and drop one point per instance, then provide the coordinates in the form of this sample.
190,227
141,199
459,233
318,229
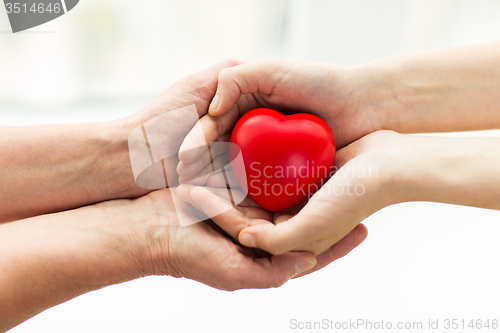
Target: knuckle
272,245
278,280
383,134
233,62
225,74
219,124
189,80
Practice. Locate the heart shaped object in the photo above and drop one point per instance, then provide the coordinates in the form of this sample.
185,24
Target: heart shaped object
286,158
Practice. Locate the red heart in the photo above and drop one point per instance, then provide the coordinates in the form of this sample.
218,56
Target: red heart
286,158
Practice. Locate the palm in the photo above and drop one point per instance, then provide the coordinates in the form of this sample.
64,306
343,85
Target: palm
202,253
234,219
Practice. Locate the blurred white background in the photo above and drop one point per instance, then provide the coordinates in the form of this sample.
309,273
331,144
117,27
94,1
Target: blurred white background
108,58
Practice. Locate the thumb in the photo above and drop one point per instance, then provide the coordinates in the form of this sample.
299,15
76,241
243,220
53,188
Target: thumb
259,76
308,225
327,215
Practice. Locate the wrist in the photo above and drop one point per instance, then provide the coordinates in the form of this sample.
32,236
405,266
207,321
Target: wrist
114,241
114,163
391,160
126,227
380,92
117,239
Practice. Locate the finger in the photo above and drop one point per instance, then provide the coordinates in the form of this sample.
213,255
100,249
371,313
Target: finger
184,193
284,237
271,272
340,249
206,81
247,202
347,153
201,178
282,218
287,214
209,128
245,79
324,216
239,196
218,180
230,218
208,153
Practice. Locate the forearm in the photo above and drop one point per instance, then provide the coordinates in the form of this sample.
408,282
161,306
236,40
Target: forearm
50,259
453,89
462,171
51,168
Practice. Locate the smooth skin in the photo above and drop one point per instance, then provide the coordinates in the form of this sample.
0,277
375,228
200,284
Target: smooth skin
454,89
123,232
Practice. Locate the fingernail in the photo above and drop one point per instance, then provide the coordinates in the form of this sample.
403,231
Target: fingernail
247,240
214,104
304,266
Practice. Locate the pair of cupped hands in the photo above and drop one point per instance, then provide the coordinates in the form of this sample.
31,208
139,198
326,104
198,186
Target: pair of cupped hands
246,246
